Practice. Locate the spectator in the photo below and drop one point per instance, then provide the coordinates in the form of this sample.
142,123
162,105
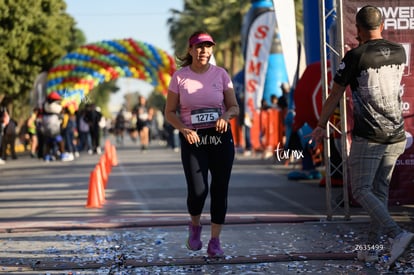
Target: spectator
85,141
93,116
9,135
120,127
52,129
373,70
31,131
69,132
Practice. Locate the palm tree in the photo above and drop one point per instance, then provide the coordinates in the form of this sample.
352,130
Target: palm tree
299,19
226,23
221,18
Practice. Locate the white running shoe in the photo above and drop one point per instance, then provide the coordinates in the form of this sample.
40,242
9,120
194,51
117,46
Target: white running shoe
67,157
399,245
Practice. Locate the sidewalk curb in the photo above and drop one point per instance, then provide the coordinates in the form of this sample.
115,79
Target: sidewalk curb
17,227
202,260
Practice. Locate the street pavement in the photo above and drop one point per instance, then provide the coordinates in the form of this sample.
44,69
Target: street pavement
274,226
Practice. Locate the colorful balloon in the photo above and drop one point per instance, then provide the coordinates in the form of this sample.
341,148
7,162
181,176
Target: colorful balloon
77,73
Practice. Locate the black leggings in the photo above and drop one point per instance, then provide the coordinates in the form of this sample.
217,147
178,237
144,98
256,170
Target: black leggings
215,153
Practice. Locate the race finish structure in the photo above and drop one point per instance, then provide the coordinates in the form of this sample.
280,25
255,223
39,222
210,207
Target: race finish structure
77,73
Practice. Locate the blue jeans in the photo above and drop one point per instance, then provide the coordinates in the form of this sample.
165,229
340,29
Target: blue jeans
371,166
85,141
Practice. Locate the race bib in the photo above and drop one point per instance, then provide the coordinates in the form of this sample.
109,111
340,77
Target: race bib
207,116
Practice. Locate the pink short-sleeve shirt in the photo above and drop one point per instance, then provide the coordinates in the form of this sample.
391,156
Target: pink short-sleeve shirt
201,95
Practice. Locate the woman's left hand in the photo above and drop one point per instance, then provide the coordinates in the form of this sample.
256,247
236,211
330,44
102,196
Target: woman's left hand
221,125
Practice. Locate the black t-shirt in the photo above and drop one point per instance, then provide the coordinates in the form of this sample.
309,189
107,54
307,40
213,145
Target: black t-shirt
374,71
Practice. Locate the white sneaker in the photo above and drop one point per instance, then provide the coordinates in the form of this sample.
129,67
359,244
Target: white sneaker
66,157
2,161
399,245
267,155
71,156
367,256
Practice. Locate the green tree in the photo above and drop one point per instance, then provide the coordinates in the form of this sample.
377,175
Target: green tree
221,18
156,100
100,96
131,99
33,35
299,19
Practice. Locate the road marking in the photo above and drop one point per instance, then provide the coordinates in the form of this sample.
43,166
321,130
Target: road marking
133,190
293,203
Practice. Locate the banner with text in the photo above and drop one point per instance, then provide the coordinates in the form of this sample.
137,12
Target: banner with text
259,42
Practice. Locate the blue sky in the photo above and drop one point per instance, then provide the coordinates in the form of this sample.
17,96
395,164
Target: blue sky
116,19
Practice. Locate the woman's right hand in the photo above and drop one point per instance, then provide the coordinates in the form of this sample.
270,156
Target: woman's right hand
190,135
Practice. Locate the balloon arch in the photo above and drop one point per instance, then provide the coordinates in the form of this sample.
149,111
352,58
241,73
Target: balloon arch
77,73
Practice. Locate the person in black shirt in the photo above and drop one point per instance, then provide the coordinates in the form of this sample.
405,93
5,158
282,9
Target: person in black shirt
9,134
373,71
143,122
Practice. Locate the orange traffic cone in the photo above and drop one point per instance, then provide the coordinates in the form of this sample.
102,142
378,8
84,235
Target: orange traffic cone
93,193
108,152
102,170
108,148
114,157
107,145
107,160
100,184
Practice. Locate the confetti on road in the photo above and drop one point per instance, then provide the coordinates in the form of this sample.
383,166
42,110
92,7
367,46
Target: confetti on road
266,249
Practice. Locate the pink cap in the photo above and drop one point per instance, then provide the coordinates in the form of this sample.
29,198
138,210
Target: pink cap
200,38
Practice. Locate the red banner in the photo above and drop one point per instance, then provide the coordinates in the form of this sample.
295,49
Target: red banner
398,18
